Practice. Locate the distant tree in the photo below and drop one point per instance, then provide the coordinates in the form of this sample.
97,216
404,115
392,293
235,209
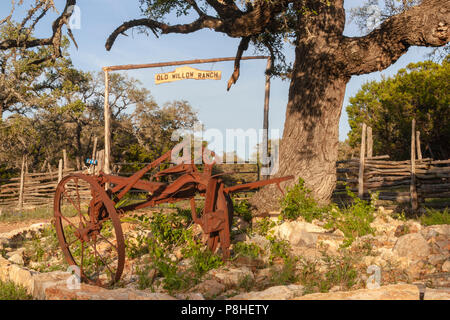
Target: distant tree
20,34
22,82
421,91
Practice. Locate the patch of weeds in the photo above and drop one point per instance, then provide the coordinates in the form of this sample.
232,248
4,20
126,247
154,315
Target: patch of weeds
339,271
246,283
287,274
299,202
263,226
247,249
10,291
278,249
365,248
145,278
137,247
203,259
354,220
242,209
433,217
400,216
168,228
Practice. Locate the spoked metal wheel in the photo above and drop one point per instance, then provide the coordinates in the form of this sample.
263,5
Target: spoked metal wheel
89,230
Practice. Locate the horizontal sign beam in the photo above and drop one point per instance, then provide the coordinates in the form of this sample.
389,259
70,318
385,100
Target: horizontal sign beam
177,63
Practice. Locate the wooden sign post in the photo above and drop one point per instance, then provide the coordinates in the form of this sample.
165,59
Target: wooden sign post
178,74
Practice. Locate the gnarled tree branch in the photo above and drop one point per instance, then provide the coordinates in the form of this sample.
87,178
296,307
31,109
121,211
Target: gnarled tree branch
243,45
23,40
427,24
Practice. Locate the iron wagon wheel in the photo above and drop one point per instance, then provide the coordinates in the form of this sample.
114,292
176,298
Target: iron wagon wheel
88,229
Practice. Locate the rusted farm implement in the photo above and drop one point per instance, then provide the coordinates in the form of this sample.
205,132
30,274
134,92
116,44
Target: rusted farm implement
82,224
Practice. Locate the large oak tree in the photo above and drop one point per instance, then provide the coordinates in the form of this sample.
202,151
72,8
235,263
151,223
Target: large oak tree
325,60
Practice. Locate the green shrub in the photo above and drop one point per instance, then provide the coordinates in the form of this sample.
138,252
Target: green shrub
203,259
10,291
286,275
354,220
340,271
242,209
168,228
432,217
278,249
263,226
299,202
247,249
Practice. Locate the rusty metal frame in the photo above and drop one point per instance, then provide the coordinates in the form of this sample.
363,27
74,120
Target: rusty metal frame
189,181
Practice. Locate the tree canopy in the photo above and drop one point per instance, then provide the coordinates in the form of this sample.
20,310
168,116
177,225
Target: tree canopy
421,91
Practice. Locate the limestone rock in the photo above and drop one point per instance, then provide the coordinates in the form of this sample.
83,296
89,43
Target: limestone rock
436,259
88,292
413,246
437,294
190,296
446,266
16,258
298,233
435,230
272,293
209,288
259,240
390,292
232,276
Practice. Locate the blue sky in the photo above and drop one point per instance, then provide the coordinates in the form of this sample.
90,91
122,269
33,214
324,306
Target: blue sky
241,107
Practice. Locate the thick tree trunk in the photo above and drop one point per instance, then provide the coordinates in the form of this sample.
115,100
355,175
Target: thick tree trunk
309,147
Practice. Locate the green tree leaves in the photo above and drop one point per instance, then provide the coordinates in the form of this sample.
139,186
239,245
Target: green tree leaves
421,91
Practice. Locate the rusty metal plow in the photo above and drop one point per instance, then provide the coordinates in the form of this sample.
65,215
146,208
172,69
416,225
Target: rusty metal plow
84,228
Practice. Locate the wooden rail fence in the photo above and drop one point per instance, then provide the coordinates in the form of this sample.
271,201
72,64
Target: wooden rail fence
408,184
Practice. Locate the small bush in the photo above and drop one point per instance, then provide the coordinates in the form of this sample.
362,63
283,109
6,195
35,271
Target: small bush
10,291
263,226
299,202
278,249
167,228
339,272
242,209
354,220
247,249
203,259
286,275
432,217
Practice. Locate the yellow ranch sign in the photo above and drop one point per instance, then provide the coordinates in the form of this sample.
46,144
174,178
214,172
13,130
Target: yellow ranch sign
184,73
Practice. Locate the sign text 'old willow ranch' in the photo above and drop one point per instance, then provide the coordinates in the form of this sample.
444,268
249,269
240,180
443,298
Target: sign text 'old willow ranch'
184,73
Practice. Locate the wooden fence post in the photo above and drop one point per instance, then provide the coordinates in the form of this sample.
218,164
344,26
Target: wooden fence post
107,114
369,142
65,159
419,150
265,142
22,183
361,162
413,190
60,170
49,167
